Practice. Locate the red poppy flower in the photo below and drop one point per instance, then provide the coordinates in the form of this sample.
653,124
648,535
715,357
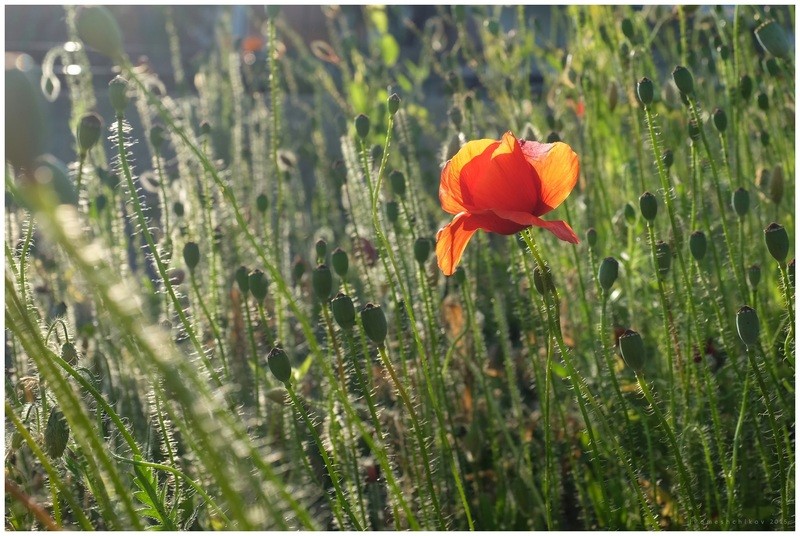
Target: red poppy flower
503,186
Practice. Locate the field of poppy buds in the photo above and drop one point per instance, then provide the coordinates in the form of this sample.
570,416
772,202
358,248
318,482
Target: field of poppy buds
421,268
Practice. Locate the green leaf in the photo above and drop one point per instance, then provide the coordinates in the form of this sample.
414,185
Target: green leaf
390,50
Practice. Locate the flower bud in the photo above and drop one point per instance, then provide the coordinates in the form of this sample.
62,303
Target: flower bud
376,153
631,347
649,206
362,126
392,211
422,249
543,281
741,202
89,129
393,104
398,182
374,322
56,434
258,285
242,279
763,101
191,255
279,365
644,90
754,275
773,68
698,245
178,209
279,395
777,241
340,262
663,257
69,353
613,96
720,119
745,87
776,184
262,203
764,138
591,237
773,39
298,269
747,325
117,94
344,312
608,272
157,137
321,249
627,28
322,282
667,158
683,79
98,28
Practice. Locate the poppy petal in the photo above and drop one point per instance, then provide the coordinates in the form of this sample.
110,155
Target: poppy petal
469,162
451,241
557,166
560,228
508,182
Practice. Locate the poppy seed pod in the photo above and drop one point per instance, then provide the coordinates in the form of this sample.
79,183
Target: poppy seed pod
279,365
262,203
340,262
631,346
89,129
393,103
776,184
258,285
543,281
157,137
422,249
763,101
649,206
321,249
362,126
608,272
777,241
591,237
374,322
754,275
69,353
392,211
698,245
644,90
747,325
683,79
56,434
98,28
242,279
398,182
118,94
741,202
376,153
191,255
344,312
773,39
322,282
667,158
745,87
663,257
720,119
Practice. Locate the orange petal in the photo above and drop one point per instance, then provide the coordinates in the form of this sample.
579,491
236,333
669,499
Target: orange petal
557,166
470,162
451,241
560,228
507,183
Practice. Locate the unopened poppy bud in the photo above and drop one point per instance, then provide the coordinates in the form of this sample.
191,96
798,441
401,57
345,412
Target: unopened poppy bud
663,257
279,365
649,206
321,249
376,153
667,158
720,119
455,117
790,272
98,28
191,255
178,209
258,285
374,322
747,325
745,87
683,79
543,281
344,312
340,262
242,279
627,28
393,104
392,211
591,237
422,249
776,184
362,126
157,137
644,90
763,101
772,67
698,245
777,241
694,131
205,128
608,272
773,39
754,275
262,203
89,130
118,94
322,282
69,353
398,182
741,202
298,269
56,434
631,346
630,213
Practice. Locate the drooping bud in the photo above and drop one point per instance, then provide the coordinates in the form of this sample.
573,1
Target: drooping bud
644,90
398,182
89,129
344,312
741,202
191,255
322,282
543,281
118,94
279,365
374,322
720,120
777,241
747,325
649,206
258,285
608,272
69,353
683,79
422,249
631,346
340,262
591,237
362,126
242,279
56,434
321,249
698,245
